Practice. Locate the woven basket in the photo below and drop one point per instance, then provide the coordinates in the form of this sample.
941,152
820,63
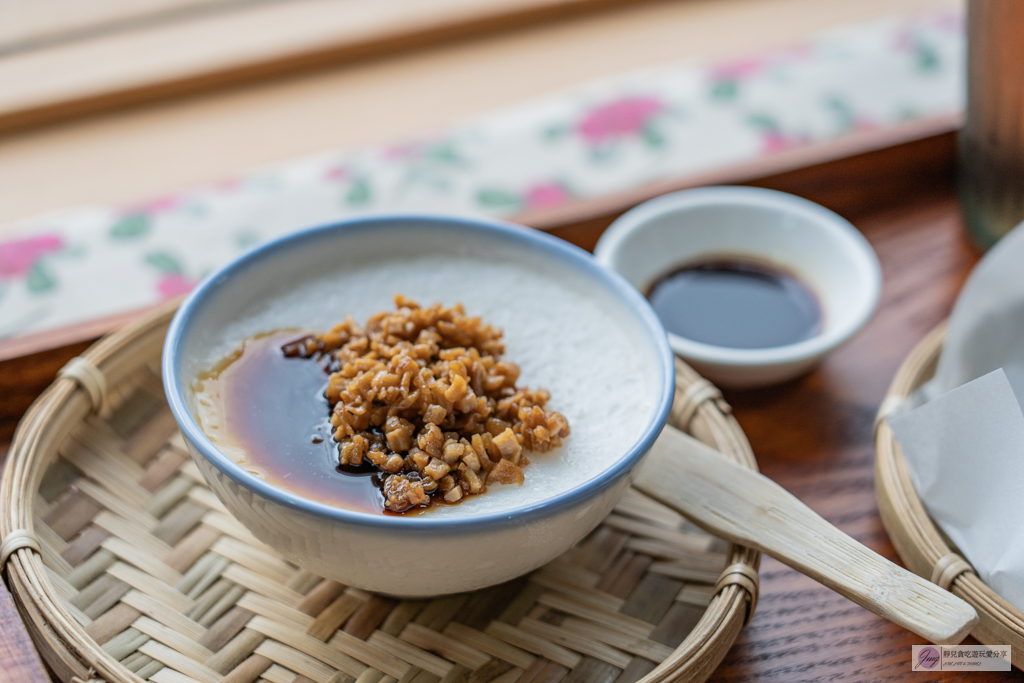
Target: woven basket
923,547
125,567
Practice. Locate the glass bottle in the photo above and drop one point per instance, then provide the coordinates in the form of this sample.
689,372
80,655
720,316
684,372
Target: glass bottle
992,139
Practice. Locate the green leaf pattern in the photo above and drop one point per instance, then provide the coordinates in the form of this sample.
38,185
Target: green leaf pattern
40,278
165,262
682,119
132,226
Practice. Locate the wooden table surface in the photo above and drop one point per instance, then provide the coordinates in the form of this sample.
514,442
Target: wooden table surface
813,435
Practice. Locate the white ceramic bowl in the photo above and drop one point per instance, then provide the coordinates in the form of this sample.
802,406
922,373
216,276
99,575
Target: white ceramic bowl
820,247
429,554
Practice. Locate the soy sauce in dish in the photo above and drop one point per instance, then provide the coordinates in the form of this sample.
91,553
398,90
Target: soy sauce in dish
276,415
736,303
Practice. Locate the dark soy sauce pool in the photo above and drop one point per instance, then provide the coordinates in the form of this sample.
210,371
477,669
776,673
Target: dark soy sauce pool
736,303
275,411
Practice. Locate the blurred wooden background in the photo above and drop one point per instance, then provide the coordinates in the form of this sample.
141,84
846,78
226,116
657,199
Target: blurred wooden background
118,115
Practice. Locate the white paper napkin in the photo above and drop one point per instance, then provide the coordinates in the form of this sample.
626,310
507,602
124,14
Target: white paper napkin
962,433
965,453
986,329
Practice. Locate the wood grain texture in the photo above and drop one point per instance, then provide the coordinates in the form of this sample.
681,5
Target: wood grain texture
25,26
849,185
132,153
869,154
179,49
813,435
748,508
29,364
19,662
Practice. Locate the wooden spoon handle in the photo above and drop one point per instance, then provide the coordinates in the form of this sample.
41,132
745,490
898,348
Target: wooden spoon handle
748,508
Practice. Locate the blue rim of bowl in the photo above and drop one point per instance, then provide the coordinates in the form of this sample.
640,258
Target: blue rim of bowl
553,245
759,197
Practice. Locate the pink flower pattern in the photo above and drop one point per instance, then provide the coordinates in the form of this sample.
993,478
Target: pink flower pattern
546,195
414,149
777,141
751,66
19,256
171,285
626,116
156,206
738,69
404,150
506,164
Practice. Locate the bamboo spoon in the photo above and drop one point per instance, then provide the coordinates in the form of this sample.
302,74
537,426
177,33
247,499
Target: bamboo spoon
748,508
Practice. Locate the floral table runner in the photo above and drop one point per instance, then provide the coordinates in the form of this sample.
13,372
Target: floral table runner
601,138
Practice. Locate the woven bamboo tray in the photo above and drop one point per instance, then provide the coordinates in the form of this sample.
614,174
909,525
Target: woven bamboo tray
126,567
920,543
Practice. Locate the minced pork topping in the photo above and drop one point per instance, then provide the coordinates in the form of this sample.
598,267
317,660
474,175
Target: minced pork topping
423,396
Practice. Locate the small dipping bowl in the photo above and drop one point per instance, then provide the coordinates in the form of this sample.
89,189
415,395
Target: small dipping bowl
815,245
431,553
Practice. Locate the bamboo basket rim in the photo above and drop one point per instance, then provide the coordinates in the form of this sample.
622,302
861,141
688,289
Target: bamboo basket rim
918,540
75,656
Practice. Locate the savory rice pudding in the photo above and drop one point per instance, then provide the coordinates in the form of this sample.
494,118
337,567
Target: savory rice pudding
558,336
